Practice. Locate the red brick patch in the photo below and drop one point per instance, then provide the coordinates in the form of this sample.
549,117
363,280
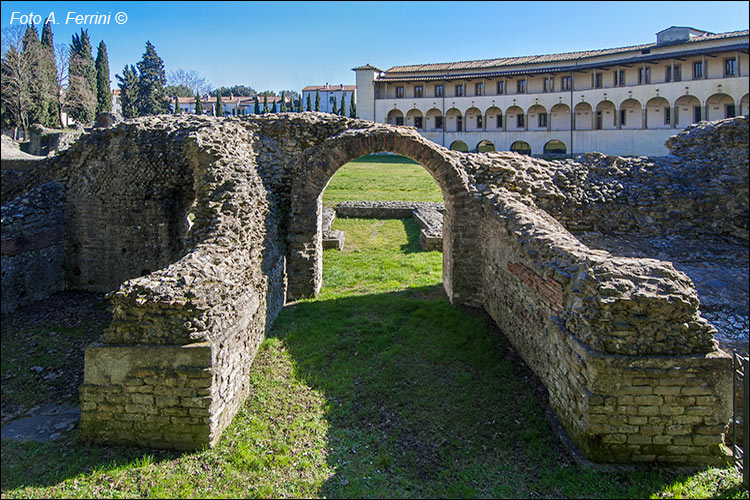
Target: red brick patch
28,242
550,290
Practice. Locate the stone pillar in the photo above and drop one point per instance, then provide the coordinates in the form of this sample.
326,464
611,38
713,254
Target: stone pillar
644,117
673,122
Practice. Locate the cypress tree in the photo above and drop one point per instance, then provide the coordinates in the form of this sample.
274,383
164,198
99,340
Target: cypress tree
177,109
50,75
103,93
198,106
342,110
309,105
265,103
152,94
219,105
81,94
273,108
334,111
352,107
37,81
128,91
283,102
317,100
256,108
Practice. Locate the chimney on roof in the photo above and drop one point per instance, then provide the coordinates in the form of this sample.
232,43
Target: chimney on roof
341,86
326,85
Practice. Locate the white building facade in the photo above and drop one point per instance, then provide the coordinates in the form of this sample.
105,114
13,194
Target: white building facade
621,101
327,95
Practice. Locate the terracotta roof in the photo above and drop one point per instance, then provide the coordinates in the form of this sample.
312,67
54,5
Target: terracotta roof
548,58
226,100
330,88
367,66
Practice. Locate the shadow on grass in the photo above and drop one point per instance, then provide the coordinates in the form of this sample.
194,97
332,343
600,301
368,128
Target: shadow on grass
412,244
426,399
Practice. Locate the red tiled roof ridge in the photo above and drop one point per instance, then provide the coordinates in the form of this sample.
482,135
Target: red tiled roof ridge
330,87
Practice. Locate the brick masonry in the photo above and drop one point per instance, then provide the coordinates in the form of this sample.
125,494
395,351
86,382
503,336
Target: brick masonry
632,369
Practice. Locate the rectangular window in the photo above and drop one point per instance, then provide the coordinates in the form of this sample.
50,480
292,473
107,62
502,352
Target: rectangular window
418,122
399,92
667,115
479,121
459,123
399,120
549,84
697,70
730,111
677,73
729,67
542,119
598,125
621,78
499,121
668,74
567,82
438,91
521,86
696,114
439,122
418,91
479,89
644,75
623,115
459,90
519,121
500,88
597,80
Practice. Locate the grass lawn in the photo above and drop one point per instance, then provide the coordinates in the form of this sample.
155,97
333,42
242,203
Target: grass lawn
377,388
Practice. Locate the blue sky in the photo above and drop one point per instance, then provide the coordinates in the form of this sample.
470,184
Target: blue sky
288,45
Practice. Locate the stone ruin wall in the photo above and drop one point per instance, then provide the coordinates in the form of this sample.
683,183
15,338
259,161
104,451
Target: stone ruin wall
631,368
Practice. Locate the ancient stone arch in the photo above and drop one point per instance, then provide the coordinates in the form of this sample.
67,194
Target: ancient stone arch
631,367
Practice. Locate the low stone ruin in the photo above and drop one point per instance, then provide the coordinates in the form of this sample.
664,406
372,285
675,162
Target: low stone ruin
633,370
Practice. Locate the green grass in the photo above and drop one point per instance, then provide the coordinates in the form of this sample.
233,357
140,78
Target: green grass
381,178
377,388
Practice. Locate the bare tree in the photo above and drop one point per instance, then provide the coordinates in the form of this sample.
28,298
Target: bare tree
14,84
62,60
190,79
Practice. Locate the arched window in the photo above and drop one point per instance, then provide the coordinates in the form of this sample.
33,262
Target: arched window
521,147
555,147
459,146
485,146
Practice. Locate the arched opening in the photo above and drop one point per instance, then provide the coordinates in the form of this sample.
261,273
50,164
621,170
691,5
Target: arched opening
414,118
516,118
318,165
583,116
459,146
605,118
658,113
522,147
494,118
485,146
745,104
689,110
720,106
560,117
474,120
555,147
630,115
455,120
434,120
395,117
538,118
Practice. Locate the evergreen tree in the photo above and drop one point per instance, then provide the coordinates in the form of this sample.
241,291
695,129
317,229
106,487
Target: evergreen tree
81,93
352,107
219,105
309,105
39,90
334,110
342,110
265,103
128,84
152,95
317,100
256,108
283,102
273,108
198,105
50,75
177,109
103,93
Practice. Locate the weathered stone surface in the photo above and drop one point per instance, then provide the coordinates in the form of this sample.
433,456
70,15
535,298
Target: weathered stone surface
619,341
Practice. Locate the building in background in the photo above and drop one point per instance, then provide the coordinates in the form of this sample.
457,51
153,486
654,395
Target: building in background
232,105
327,95
620,101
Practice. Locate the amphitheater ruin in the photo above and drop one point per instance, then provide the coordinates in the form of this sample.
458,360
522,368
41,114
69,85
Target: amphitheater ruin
632,367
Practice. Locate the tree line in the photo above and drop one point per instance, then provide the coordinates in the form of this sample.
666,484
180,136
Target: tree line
42,80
